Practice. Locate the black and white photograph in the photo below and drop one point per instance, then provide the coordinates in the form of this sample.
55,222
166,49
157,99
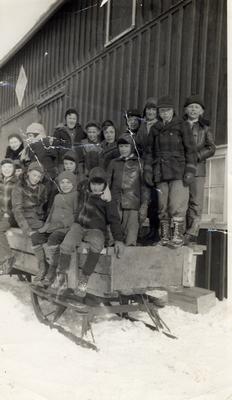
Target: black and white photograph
115,267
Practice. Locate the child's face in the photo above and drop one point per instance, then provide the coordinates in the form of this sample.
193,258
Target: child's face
14,143
7,170
93,133
66,185
34,177
69,165
97,188
133,123
124,149
194,111
166,114
31,138
18,172
71,120
151,113
109,134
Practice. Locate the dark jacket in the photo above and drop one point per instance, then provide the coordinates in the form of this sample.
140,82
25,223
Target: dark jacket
91,155
171,152
14,154
126,182
205,144
43,152
66,139
6,187
28,205
110,152
95,213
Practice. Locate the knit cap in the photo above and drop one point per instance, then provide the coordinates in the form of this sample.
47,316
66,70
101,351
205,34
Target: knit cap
7,161
97,174
36,129
194,99
67,175
125,138
165,102
70,155
35,166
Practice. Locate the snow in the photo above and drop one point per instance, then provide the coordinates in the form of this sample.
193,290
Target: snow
133,362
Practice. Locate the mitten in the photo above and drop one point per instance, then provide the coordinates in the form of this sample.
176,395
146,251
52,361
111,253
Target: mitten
188,178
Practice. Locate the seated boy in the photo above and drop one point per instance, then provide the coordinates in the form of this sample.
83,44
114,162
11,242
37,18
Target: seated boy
125,179
93,214
7,182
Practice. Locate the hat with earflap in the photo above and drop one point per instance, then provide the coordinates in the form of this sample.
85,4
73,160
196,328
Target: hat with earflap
7,161
126,138
194,99
36,129
97,175
35,166
67,175
70,155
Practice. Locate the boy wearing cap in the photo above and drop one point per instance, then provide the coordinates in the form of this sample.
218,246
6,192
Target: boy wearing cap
171,165
58,223
94,213
194,111
125,179
91,147
29,199
7,183
68,135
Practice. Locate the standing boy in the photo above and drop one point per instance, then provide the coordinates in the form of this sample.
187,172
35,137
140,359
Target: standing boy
194,110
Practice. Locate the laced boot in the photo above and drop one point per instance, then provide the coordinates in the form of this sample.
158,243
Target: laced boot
87,270
164,232
39,253
178,234
81,289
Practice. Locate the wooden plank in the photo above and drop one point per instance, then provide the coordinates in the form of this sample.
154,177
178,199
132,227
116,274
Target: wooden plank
195,300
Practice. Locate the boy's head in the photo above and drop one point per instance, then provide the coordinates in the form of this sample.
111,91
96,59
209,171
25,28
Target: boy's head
70,161
66,181
18,168
34,132
93,130
7,167
133,119
109,131
35,173
150,109
97,180
71,118
165,107
125,145
194,107
15,141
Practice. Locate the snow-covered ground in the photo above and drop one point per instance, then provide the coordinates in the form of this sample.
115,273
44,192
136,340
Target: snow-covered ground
133,362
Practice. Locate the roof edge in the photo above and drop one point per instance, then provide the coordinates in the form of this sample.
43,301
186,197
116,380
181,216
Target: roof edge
35,28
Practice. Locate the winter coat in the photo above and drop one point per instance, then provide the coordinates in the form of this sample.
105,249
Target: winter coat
62,214
92,155
110,152
28,205
205,144
42,151
14,154
171,151
95,213
6,187
66,139
126,182
141,139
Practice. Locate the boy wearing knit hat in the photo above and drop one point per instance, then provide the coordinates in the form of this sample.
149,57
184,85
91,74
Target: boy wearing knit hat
194,111
171,165
29,199
125,180
7,182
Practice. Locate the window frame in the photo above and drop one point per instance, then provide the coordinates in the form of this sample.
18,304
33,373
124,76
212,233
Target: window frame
130,28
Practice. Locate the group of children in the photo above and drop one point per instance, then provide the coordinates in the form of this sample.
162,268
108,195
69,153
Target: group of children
94,186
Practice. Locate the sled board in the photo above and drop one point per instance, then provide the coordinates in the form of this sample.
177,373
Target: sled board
139,269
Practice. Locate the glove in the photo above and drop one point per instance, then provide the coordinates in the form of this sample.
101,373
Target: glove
119,248
188,178
143,213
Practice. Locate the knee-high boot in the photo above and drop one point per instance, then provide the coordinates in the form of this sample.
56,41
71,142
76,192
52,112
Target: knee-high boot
52,256
61,283
39,253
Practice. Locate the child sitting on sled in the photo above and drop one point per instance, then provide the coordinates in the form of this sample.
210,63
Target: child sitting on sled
95,211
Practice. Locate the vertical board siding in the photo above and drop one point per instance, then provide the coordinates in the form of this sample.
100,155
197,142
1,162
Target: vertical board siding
178,47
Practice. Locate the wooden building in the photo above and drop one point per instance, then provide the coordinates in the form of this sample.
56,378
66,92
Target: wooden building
102,60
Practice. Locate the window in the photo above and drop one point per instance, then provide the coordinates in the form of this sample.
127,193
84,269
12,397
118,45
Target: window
120,18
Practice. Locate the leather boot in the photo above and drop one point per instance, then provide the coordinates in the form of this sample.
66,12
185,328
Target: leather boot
178,233
165,232
39,253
